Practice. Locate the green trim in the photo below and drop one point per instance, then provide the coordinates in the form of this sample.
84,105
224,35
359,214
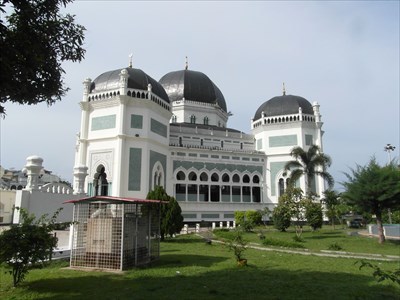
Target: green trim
135,169
210,216
104,122
275,168
137,121
283,140
158,128
309,139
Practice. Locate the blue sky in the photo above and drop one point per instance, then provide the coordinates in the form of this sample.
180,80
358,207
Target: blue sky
343,54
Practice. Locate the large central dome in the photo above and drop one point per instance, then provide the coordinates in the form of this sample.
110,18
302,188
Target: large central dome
284,105
137,79
192,85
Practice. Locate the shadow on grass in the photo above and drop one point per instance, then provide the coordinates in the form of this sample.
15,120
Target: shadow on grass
231,283
322,237
174,260
185,240
394,242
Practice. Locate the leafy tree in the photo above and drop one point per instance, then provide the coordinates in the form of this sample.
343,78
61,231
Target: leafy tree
171,213
313,213
238,245
28,244
35,38
332,204
309,164
254,217
239,217
373,189
281,217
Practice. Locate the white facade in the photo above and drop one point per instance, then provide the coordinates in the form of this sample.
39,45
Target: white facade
132,139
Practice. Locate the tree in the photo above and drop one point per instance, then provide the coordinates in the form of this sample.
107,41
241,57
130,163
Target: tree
171,212
238,245
332,204
313,213
28,244
35,38
281,217
309,164
372,189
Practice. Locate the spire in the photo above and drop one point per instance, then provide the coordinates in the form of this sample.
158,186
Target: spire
130,60
284,89
186,64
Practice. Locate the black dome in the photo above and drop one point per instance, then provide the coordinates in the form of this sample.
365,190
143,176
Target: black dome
284,105
137,80
192,85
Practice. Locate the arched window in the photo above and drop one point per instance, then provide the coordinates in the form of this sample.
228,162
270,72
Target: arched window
180,176
225,177
236,178
192,176
222,144
281,184
215,177
203,177
180,141
205,120
174,119
246,178
256,179
201,142
193,119
100,182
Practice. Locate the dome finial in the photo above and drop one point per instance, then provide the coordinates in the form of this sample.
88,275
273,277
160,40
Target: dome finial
130,60
284,89
186,64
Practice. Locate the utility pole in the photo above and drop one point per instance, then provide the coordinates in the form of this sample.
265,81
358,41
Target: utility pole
389,148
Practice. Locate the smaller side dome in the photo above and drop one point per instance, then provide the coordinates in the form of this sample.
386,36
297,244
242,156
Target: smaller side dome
284,105
137,79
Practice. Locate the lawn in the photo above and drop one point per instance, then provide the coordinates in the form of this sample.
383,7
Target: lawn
191,269
322,239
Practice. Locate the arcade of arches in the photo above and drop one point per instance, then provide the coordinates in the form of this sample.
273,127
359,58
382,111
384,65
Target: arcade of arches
214,187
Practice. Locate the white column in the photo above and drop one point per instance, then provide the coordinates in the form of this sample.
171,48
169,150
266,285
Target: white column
33,169
80,173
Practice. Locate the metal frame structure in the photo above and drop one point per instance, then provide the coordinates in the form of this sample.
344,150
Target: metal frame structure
114,233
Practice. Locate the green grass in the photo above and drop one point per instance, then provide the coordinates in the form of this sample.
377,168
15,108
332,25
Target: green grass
324,238
191,269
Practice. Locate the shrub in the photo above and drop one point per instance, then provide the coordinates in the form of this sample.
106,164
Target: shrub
224,233
238,245
254,217
281,243
335,247
27,245
298,239
239,217
281,217
314,214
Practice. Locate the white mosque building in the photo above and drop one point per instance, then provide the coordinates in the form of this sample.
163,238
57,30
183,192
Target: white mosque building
137,133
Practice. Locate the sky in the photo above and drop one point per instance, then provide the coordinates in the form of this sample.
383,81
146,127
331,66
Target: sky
342,54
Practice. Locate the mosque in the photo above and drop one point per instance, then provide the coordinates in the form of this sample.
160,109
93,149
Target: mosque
137,133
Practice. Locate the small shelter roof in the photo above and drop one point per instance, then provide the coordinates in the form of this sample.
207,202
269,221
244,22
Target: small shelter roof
114,199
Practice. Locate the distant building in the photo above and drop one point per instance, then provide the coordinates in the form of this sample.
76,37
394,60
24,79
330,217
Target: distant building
137,133
11,179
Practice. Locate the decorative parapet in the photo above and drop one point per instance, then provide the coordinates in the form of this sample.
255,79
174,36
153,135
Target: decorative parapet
56,188
300,117
134,93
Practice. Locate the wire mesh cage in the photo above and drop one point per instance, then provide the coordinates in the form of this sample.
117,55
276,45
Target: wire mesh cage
115,234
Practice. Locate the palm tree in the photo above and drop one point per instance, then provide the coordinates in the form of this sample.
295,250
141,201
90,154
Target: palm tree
309,164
